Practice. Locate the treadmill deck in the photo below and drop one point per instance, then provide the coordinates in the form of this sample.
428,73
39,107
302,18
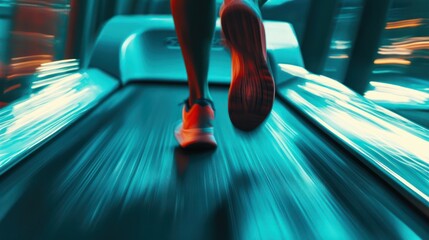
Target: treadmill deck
118,173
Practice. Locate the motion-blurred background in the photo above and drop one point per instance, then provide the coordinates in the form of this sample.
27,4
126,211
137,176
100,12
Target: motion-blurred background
380,49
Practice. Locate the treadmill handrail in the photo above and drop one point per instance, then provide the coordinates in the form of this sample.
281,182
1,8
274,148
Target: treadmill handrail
394,147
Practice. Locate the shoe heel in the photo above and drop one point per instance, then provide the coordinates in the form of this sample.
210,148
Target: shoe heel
196,138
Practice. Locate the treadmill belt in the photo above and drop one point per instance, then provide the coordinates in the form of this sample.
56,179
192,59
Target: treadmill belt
118,174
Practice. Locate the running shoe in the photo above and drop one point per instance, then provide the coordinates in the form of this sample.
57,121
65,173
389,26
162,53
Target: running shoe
252,89
196,129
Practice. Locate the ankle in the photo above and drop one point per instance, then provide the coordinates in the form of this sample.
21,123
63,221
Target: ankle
203,101
193,99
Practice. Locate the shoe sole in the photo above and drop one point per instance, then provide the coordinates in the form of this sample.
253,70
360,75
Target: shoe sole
252,89
195,138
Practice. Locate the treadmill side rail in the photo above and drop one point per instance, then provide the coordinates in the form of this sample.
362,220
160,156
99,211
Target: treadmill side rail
26,124
393,147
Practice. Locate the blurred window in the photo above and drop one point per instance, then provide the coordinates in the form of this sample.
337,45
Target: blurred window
345,29
404,49
400,77
32,33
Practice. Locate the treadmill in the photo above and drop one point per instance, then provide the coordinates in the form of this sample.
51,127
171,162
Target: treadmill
97,159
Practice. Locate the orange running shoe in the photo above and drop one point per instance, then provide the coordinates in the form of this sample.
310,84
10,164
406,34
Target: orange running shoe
252,89
196,129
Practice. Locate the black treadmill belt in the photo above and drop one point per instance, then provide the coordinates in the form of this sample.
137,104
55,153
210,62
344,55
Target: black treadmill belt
118,174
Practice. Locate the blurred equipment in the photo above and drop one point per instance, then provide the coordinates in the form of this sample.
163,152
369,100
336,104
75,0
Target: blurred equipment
400,78
36,33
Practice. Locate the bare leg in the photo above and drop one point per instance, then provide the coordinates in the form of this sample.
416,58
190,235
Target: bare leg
195,22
